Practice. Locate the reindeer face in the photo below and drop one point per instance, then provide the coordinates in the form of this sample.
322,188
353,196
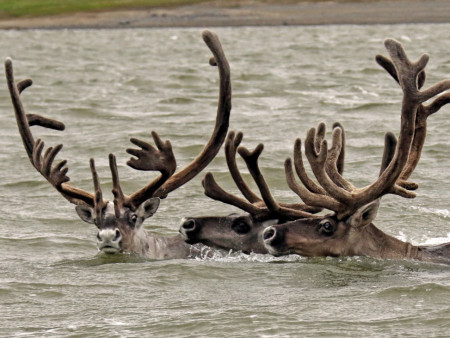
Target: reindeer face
324,236
306,237
123,233
236,232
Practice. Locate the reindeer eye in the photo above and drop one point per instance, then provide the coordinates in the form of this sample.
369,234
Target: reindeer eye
326,228
133,219
240,227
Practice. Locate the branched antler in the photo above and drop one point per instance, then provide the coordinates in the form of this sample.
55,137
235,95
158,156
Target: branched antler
150,158
260,209
162,158
56,175
423,111
340,196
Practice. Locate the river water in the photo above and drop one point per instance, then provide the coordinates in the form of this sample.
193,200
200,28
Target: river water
110,85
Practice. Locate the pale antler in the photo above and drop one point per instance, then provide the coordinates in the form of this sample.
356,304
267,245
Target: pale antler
55,175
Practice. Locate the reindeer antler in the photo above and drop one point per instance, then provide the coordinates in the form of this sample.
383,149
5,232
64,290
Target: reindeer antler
56,175
345,201
148,157
162,158
423,111
260,208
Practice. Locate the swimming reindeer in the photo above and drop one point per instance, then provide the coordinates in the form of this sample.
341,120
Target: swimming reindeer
243,231
119,222
349,230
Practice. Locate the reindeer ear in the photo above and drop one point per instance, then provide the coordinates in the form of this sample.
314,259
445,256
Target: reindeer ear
148,208
364,215
86,213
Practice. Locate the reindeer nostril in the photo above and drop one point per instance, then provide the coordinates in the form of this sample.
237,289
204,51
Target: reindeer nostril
117,235
269,233
274,237
189,225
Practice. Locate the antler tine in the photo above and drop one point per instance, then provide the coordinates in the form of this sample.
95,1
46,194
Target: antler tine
22,121
334,164
421,122
120,200
214,191
301,172
251,159
222,121
341,157
254,205
390,68
320,136
317,161
150,158
54,175
307,196
232,143
407,73
98,201
390,143
285,211
25,121
334,156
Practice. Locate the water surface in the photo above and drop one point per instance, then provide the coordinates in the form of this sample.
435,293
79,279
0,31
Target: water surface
110,85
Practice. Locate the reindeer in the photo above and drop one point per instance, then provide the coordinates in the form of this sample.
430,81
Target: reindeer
243,232
349,230
119,222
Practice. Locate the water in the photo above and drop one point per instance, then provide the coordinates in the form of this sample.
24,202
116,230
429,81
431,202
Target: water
110,85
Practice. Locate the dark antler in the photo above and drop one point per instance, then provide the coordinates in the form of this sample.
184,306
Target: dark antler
423,111
231,145
56,175
290,212
260,209
163,160
98,201
148,157
343,201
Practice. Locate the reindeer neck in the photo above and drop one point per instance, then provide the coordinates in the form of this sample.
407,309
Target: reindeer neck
376,243
169,247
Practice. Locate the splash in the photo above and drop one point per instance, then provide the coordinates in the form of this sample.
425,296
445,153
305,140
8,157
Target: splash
439,212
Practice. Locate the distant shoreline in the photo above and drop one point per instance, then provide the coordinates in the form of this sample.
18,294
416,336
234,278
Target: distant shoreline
250,13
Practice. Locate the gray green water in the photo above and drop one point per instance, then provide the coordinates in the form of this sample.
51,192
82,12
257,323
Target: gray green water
110,85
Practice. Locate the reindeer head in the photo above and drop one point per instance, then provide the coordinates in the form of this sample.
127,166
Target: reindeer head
325,236
349,230
241,231
119,222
